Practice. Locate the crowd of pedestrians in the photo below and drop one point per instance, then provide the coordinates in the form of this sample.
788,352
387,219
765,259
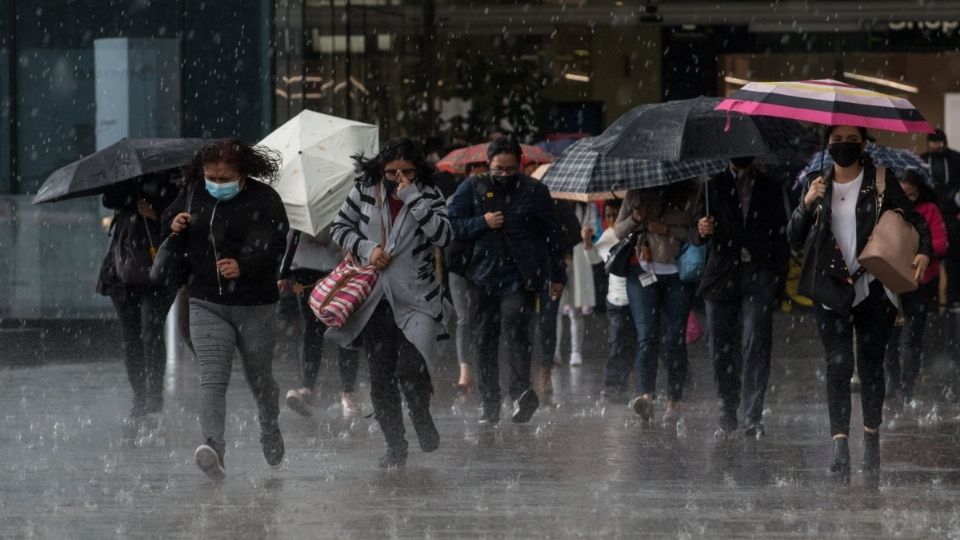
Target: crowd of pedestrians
490,263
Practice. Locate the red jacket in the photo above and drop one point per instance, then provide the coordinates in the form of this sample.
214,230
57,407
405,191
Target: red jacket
938,237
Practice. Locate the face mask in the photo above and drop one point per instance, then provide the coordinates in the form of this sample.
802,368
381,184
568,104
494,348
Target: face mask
505,180
845,154
223,192
391,186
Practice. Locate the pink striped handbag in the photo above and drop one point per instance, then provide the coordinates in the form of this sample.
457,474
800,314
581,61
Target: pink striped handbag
335,297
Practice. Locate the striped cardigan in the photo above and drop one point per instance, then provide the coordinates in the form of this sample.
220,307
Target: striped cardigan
410,283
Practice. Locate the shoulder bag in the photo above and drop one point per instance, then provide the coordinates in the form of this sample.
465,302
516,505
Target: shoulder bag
892,246
170,268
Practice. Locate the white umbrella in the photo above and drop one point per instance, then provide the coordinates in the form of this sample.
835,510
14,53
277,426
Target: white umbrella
316,172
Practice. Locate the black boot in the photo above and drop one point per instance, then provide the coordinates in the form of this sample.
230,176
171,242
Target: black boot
396,456
841,456
426,430
871,451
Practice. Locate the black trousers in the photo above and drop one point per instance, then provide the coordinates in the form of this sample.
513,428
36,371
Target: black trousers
872,320
312,338
395,366
905,350
142,312
621,347
515,312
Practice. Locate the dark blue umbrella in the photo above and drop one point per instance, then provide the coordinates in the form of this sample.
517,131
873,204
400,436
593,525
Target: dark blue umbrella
898,159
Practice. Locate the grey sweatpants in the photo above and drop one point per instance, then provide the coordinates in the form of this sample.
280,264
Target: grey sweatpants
217,331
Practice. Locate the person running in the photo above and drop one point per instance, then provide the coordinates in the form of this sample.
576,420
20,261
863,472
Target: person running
848,299
308,260
141,305
517,248
905,350
745,268
394,218
235,235
659,301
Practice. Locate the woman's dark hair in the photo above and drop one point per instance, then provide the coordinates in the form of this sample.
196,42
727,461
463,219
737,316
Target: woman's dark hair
371,169
504,145
864,136
612,203
258,162
926,193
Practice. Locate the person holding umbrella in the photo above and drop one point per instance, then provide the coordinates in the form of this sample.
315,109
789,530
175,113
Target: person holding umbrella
742,219
847,298
659,300
125,277
235,240
945,169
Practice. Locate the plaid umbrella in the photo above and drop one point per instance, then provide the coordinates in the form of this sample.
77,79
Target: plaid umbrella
456,162
827,102
581,169
896,158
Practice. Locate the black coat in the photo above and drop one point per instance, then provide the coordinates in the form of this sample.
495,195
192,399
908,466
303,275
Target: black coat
763,234
832,267
946,188
127,224
251,228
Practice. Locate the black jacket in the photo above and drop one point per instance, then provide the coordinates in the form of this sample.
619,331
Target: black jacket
251,228
945,168
127,224
529,247
763,234
833,267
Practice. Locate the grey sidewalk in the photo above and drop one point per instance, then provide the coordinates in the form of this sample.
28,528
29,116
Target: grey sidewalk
70,469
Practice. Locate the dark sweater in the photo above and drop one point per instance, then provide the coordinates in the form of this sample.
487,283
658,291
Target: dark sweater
251,228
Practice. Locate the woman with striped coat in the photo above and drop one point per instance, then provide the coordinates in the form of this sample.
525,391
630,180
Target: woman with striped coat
394,218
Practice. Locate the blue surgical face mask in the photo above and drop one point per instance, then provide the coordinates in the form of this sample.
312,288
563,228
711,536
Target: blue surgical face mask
222,192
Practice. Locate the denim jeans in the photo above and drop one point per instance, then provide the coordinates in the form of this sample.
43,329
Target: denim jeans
621,347
739,340
873,318
514,313
660,313
312,338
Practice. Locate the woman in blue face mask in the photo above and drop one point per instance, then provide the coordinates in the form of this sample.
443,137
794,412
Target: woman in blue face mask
236,231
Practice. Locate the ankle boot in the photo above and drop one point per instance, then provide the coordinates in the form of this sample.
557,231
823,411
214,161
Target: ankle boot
871,451
426,430
396,456
841,456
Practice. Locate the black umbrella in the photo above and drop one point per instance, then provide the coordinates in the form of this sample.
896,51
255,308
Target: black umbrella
690,129
118,162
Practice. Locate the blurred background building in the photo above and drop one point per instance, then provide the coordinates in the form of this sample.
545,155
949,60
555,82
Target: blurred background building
77,75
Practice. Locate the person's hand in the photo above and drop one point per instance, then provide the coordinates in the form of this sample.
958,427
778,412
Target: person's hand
920,264
146,210
639,214
705,226
494,219
228,268
180,222
586,235
284,285
657,227
556,289
817,188
402,182
379,258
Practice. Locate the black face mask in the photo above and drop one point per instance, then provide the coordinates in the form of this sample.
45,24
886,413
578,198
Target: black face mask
742,162
845,154
505,180
390,185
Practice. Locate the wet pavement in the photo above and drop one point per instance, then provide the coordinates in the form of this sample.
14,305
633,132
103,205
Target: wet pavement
71,468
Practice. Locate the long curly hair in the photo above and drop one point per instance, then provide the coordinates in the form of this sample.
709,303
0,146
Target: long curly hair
257,162
370,170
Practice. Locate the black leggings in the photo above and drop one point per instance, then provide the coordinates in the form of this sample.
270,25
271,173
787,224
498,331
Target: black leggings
142,312
872,319
395,366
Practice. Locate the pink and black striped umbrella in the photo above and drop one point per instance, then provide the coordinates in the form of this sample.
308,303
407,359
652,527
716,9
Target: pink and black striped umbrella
827,102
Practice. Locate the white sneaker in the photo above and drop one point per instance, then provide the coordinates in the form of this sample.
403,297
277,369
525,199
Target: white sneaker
300,401
576,359
350,403
209,462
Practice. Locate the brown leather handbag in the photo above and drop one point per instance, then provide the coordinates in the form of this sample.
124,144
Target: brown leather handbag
892,246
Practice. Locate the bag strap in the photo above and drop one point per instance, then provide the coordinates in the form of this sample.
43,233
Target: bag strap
880,185
190,189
